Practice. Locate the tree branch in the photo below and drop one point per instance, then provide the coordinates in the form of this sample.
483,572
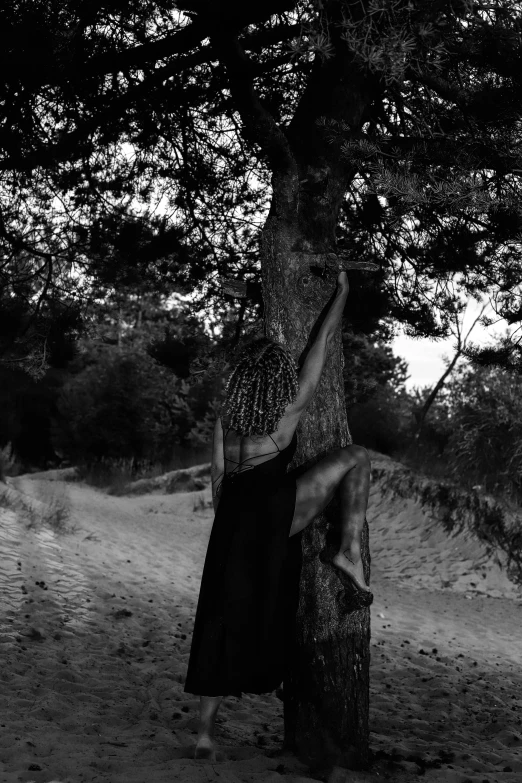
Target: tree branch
38,73
260,126
471,153
337,89
443,88
460,351
68,147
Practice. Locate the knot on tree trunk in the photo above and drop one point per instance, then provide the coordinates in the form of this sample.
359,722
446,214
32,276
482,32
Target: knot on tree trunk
312,288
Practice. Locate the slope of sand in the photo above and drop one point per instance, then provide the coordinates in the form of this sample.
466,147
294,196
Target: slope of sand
95,631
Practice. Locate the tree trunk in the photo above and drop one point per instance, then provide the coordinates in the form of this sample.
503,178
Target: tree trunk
326,687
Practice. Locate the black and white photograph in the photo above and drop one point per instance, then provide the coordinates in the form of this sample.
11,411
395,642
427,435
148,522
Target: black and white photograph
260,391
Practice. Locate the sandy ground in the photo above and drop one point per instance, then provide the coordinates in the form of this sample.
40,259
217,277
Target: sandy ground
95,629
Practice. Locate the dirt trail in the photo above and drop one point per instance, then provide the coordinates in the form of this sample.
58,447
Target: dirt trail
95,633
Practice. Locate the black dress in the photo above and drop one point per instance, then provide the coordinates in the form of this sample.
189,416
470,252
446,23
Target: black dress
250,583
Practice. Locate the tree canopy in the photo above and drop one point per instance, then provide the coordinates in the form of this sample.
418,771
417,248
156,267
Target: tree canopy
139,141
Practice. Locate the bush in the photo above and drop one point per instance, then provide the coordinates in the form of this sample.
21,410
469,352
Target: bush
473,431
9,465
26,408
486,434
382,423
376,401
425,450
124,406
370,365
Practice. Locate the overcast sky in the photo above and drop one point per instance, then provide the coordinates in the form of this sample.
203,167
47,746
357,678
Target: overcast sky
425,357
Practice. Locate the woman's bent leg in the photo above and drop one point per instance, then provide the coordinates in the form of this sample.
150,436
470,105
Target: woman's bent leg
205,745
354,490
346,469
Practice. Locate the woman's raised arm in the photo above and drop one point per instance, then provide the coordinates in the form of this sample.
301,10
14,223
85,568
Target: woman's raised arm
313,365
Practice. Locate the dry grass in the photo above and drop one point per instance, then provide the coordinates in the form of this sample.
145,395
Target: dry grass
56,515
116,475
50,510
201,502
9,464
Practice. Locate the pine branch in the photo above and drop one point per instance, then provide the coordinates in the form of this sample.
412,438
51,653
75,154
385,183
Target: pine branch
444,88
259,125
70,145
37,74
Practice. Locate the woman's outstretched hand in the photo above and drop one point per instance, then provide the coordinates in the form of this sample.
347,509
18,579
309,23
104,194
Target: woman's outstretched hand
343,285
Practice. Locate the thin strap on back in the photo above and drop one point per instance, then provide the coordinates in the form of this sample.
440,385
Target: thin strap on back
275,444
243,462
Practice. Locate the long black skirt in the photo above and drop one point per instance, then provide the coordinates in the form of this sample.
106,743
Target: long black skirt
249,593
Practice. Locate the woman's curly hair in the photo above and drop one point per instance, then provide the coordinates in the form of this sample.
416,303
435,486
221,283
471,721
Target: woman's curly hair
260,387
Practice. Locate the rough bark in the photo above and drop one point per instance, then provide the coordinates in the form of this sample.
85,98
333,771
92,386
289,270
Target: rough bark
326,688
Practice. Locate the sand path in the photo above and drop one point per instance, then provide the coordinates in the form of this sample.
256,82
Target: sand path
95,633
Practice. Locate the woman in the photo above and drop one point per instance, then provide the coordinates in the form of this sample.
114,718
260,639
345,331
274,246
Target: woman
244,604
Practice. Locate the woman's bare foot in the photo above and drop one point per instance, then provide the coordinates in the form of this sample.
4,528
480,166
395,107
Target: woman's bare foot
352,568
205,748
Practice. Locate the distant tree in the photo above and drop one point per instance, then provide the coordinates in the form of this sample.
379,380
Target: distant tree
485,443
28,408
369,364
427,451
376,400
132,393
131,324
462,343
120,406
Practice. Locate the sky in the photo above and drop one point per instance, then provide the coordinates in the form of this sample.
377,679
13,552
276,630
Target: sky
426,357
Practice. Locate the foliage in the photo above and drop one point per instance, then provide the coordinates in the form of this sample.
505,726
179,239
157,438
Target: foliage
141,382
125,405
369,363
437,426
115,475
505,353
472,433
118,406
424,450
383,422
485,443
460,509
8,461
140,139
132,393
27,407
376,401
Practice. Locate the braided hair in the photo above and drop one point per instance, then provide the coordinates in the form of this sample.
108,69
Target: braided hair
260,387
